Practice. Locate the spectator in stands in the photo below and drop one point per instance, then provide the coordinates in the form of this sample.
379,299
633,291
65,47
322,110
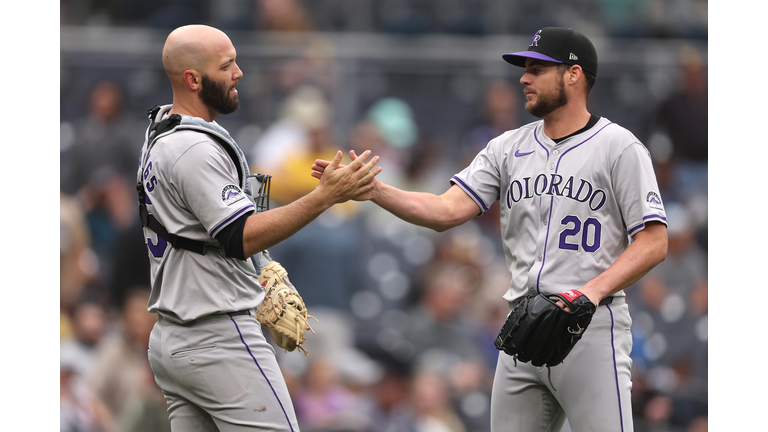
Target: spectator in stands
500,113
664,320
105,139
670,332
77,264
309,113
686,263
620,17
437,328
326,404
88,318
109,202
282,16
683,117
390,129
469,384
76,412
432,410
388,408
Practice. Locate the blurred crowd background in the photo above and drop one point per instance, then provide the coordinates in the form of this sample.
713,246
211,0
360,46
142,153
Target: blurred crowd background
407,316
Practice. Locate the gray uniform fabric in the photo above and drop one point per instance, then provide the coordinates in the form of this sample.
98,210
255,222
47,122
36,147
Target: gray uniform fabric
592,386
193,189
567,213
220,375
217,371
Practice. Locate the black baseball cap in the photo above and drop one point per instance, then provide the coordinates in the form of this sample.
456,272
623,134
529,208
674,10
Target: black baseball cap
559,45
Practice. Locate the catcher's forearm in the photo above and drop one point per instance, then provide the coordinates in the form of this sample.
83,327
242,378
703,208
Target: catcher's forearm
439,213
264,230
648,248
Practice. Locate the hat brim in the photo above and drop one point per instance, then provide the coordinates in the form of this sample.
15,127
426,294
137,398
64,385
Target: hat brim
518,58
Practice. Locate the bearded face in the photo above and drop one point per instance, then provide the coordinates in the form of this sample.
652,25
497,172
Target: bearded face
215,95
548,102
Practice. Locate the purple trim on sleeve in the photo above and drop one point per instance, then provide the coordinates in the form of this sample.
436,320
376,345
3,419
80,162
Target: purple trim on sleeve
472,192
646,219
632,230
231,218
262,372
616,370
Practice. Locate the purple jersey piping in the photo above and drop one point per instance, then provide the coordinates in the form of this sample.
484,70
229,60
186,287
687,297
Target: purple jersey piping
577,145
642,224
469,189
616,370
552,199
262,372
234,216
535,130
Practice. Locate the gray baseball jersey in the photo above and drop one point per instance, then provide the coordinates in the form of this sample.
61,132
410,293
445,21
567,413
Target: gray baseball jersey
567,209
209,357
193,189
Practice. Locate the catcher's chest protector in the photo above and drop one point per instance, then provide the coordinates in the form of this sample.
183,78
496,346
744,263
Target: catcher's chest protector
176,122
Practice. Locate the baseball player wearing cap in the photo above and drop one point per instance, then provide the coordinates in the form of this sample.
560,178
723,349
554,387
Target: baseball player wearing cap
580,210
207,350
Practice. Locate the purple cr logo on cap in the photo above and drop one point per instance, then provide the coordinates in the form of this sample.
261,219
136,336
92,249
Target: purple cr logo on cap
535,39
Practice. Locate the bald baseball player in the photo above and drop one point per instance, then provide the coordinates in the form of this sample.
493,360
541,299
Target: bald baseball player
205,243
580,209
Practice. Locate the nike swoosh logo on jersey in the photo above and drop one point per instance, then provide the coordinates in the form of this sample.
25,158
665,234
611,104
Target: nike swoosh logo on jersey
518,154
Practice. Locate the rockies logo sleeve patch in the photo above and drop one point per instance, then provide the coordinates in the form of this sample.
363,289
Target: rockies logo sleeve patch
231,194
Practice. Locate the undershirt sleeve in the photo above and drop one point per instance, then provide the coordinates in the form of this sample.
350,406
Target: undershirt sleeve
231,237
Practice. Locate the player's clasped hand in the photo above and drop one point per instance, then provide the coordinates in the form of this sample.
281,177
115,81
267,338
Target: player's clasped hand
320,166
344,182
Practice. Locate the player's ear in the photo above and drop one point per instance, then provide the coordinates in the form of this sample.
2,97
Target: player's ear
573,74
192,79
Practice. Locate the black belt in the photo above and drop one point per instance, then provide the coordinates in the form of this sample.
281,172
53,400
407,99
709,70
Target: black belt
606,301
212,316
248,312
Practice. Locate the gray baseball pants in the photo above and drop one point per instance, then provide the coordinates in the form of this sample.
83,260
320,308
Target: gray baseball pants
591,387
220,375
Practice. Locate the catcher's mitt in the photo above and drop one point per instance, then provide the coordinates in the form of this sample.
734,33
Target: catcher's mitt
283,311
540,331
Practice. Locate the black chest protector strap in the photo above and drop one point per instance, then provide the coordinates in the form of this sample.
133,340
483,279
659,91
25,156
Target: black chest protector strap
147,220
168,125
